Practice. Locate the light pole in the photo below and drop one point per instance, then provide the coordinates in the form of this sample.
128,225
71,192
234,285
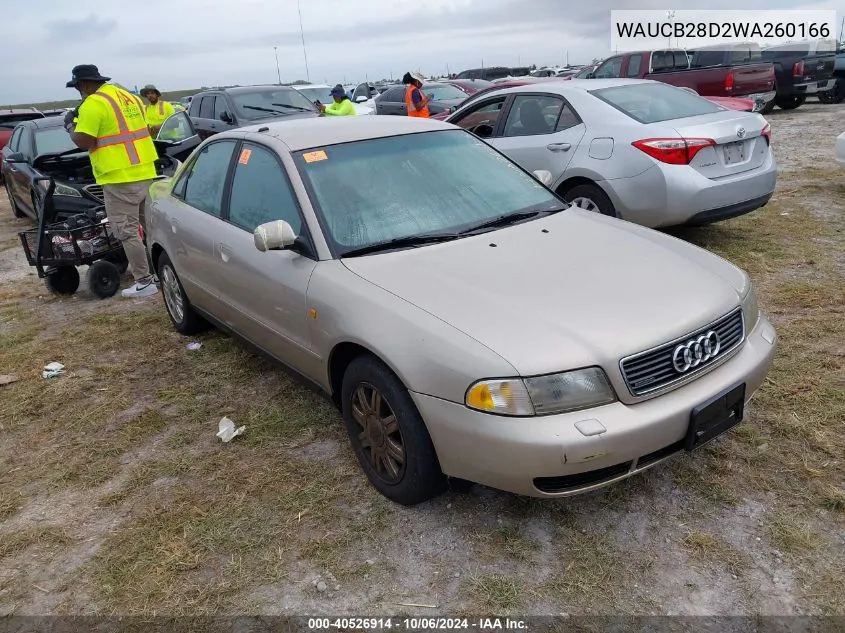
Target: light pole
302,34
671,16
278,71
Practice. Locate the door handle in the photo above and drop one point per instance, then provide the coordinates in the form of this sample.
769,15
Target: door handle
558,147
225,252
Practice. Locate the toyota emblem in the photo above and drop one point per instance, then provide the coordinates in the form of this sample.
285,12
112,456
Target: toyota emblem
696,351
740,132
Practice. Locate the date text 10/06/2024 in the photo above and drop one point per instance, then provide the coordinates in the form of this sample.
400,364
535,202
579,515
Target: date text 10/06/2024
417,624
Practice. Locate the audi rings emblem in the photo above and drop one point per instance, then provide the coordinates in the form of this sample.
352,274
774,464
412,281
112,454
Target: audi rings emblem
696,351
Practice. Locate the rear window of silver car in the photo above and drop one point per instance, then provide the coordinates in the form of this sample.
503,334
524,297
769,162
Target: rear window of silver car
376,190
653,103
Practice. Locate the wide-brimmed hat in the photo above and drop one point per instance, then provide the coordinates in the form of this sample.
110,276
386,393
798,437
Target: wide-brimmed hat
85,72
338,91
150,88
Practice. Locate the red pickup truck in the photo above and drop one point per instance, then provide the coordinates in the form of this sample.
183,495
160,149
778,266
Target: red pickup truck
711,72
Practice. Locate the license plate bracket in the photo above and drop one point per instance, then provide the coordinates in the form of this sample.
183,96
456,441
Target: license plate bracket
716,416
734,152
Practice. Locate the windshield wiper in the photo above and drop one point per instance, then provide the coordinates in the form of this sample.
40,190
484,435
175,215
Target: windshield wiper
508,219
260,109
402,242
292,107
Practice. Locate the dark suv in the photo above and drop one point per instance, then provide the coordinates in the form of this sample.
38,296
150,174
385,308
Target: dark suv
218,110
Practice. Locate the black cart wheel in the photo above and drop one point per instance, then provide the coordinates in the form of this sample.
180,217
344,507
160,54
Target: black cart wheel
62,281
103,278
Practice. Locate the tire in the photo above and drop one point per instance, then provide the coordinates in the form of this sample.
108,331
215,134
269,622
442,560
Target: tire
790,103
16,210
63,280
103,278
768,108
380,443
835,95
590,198
185,320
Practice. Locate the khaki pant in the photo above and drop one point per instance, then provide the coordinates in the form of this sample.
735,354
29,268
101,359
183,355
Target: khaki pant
125,210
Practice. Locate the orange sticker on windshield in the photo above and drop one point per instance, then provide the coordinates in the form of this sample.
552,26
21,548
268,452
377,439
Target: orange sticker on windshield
313,157
245,154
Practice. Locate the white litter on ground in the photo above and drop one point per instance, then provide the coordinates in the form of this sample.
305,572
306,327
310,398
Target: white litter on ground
227,431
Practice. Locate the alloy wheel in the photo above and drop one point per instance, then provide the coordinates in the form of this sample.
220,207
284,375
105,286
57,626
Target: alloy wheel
173,294
379,434
586,204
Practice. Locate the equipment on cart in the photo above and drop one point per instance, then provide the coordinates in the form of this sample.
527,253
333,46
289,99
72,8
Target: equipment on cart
57,248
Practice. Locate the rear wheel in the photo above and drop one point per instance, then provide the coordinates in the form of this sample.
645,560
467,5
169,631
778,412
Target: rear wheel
63,280
836,94
767,109
103,278
16,210
790,103
184,318
590,198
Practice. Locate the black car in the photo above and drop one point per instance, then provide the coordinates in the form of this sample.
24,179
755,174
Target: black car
42,147
443,97
218,110
801,69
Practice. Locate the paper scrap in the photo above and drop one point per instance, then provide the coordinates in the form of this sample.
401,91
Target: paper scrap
193,346
227,431
52,370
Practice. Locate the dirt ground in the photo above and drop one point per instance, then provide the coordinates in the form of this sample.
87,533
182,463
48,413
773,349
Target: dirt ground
117,498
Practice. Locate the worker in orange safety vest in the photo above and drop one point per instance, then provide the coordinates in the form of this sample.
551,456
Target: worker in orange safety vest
111,126
416,102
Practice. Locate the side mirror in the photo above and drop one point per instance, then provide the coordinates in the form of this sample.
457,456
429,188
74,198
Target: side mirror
361,99
274,236
227,118
15,157
544,176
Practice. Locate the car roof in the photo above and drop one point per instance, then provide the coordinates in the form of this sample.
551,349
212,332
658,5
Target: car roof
318,131
298,86
584,85
43,123
245,89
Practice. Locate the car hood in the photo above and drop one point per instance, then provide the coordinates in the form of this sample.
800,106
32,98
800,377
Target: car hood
565,291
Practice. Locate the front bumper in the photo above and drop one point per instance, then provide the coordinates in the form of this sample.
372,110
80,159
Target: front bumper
511,453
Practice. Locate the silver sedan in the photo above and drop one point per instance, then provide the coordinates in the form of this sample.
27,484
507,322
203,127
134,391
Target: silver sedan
465,320
640,150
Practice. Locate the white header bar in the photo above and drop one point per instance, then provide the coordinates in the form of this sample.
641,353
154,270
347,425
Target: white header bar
638,30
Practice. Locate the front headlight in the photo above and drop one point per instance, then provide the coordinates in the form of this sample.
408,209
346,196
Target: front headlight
61,190
750,309
542,395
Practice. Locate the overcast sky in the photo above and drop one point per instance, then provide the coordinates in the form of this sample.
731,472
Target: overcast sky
179,44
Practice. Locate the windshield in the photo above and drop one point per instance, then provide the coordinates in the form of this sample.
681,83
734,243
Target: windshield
655,102
370,192
323,95
444,92
52,141
262,104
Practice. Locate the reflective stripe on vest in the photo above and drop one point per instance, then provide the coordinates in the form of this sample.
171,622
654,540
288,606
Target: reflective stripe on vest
124,136
409,103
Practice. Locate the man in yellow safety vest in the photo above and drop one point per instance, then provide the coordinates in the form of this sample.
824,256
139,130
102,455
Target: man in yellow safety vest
110,125
158,110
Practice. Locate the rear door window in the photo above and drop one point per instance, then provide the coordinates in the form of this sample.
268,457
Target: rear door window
393,95
203,182
25,143
610,69
634,63
207,107
16,137
533,114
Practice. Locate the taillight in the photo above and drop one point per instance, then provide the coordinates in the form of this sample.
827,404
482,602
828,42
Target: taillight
798,69
767,132
729,81
673,151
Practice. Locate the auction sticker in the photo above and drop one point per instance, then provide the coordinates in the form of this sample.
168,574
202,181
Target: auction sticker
313,157
245,154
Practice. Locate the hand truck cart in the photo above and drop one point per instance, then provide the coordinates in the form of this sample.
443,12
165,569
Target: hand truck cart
57,248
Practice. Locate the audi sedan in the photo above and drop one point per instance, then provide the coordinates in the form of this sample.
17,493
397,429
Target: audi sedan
467,322
639,150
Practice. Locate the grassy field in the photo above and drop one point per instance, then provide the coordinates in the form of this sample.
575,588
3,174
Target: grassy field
117,498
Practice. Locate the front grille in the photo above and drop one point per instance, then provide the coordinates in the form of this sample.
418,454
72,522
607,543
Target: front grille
94,190
654,369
